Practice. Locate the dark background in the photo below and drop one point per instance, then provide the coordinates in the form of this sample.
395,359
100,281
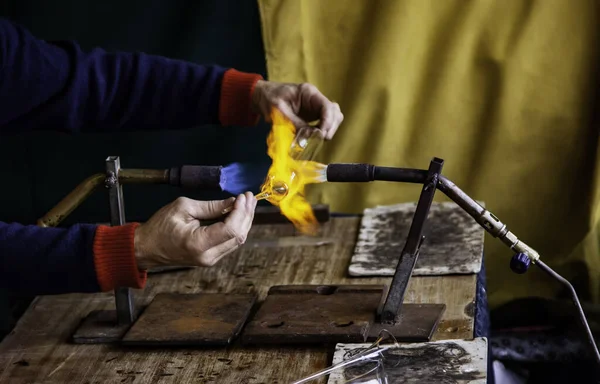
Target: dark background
39,169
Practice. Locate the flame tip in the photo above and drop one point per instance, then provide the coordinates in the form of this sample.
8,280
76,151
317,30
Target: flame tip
288,169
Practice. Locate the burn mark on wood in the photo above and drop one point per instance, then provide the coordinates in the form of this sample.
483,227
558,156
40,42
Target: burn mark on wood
453,241
445,362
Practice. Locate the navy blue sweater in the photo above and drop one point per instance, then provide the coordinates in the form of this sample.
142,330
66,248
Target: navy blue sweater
57,86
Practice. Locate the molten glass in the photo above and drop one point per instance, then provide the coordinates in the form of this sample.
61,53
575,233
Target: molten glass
291,170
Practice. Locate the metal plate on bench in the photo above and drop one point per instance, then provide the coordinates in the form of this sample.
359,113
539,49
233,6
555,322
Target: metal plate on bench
453,241
446,361
203,319
100,327
314,314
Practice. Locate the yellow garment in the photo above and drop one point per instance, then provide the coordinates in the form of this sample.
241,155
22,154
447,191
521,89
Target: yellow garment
501,90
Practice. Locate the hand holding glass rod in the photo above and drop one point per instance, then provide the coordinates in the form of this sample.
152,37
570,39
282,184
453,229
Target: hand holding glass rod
280,189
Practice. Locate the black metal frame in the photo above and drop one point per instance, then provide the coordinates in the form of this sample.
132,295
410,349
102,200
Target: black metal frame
523,256
408,259
123,296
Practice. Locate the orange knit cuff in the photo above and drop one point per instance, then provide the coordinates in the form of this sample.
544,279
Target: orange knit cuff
114,258
235,104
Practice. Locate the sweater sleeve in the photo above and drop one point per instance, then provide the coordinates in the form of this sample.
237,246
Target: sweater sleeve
82,258
58,86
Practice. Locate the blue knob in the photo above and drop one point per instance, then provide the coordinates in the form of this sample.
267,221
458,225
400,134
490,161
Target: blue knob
520,263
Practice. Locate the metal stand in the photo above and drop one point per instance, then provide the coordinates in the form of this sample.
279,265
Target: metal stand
353,313
170,319
110,326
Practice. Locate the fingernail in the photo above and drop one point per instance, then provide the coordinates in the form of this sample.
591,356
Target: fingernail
231,201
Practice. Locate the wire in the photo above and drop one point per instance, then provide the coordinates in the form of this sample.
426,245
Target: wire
590,336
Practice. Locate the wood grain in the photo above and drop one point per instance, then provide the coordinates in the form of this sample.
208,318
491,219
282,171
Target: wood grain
38,350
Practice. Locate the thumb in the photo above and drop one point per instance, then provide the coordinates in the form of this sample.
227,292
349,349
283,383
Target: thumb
212,209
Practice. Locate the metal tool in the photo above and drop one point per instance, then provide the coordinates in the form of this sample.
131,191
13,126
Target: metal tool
108,326
408,258
187,176
523,256
353,313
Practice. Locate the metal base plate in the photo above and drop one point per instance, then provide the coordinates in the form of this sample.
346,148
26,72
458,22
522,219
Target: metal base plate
204,319
310,314
417,323
100,327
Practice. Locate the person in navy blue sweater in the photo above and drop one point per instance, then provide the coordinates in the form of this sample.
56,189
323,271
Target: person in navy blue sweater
56,86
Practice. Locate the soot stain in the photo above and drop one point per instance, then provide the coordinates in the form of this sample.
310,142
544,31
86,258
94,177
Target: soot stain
436,363
452,239
470,309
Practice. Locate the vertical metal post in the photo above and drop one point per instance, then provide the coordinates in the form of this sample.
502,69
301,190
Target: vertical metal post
408,257
123,296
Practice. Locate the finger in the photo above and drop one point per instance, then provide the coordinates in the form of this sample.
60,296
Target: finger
316,106
287,110
236,226
202,210
331,117
240,219
213,255
250,203
338,118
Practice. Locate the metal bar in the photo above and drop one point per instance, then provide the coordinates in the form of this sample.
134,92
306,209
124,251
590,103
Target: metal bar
408,258
78,195
575,299
123,296
144,176
70,202
485,218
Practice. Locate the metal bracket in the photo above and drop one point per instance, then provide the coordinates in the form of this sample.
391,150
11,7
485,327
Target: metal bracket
110,326
390,313
317,314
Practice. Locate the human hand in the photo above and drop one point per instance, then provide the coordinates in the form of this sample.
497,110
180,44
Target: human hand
301,103
173,236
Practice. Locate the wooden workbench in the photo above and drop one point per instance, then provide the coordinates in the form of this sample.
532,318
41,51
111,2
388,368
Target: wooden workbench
39,351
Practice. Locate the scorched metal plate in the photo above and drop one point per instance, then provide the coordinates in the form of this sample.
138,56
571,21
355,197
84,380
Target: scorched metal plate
314,314
204,319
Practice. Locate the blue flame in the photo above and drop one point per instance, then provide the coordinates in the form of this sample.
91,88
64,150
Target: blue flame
238,178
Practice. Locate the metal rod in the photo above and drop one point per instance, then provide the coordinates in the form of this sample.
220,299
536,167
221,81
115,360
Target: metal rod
485,218
69,203
575,299
408,257
144,176
123,296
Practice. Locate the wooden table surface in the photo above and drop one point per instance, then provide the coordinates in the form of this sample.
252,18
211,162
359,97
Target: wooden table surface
39,351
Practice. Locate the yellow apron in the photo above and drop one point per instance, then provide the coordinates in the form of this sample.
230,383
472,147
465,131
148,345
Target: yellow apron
503,91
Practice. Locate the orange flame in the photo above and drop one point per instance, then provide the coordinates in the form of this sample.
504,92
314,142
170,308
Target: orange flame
288,175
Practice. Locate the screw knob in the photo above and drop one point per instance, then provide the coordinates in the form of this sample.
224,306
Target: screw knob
520,263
